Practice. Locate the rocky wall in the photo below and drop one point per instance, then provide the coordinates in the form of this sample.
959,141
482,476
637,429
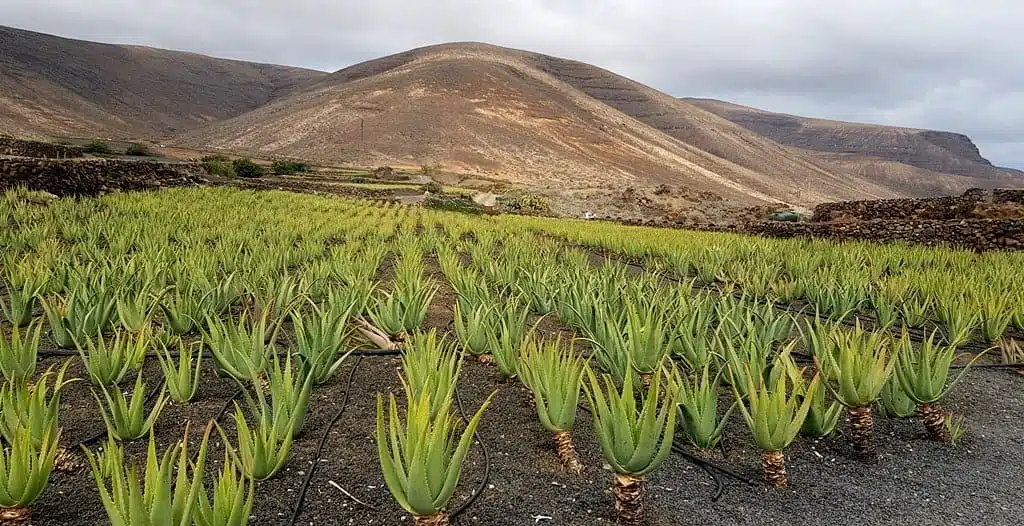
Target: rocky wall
953,207
975,234
96,176
21,148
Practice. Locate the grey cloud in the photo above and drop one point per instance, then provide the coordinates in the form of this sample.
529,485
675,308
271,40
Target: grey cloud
943,64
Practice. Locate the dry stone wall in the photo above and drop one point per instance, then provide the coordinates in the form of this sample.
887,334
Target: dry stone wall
96,176
955,207
975,234
10,146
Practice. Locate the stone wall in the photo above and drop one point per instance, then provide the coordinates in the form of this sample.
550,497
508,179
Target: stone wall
954,207
975,234
96,176
1007,195
21,148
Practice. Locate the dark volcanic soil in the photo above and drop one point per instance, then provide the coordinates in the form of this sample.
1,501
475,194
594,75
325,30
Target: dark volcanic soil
914,479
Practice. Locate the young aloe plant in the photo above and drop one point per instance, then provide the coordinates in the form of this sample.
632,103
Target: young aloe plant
25,468
232,500
289,397
634,440
127,419
556,379
240,350
109,363
182,309
401,312
182,378
859,368
894,403
924,377
165,496
775,415
21,302
506,336
421,460
18,352
135,307
32,407
320,341
698,410
471,325
261,452
646,344
430,367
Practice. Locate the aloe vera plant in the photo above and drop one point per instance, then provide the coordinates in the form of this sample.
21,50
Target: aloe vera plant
893,402
165,495
240,351
125,417
471,329
320,341
33,407
775,415
20,303
430,368
634,439
555,377
860,368
403,311
25,468
289,391
422,459
924,377
698,410
108,363
232,499
182,377
261,451
135,307
505,338
18,352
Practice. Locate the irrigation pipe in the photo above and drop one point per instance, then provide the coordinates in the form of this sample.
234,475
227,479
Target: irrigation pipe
300,499
487,462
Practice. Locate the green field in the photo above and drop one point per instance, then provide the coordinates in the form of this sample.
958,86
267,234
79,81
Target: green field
656,335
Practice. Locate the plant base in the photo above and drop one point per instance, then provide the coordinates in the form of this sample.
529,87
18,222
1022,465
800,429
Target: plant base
567,452
934,419
486,359
437,519
11,516
862,424
774,465
629,498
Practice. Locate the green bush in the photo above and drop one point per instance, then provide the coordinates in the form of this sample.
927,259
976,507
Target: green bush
218,165
98,147
433,187
527,205
289,167
359,180
139,150
451,204
248,169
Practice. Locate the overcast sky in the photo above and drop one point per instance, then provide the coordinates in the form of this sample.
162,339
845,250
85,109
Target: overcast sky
953,65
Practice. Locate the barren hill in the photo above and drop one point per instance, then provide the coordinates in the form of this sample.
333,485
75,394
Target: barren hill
933,151
52,85
530,119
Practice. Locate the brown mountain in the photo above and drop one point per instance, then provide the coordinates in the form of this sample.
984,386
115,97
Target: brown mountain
870,146
51,86
531,119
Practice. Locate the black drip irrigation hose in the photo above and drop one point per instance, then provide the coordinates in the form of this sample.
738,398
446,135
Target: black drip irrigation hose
487,463
301,497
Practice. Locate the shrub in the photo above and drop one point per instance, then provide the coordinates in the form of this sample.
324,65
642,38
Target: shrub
289,167
359,180
433,187
218,165
527,205
465,206
98,147
247,168
138,150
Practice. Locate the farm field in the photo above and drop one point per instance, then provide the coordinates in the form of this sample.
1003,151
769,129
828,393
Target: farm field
542,371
